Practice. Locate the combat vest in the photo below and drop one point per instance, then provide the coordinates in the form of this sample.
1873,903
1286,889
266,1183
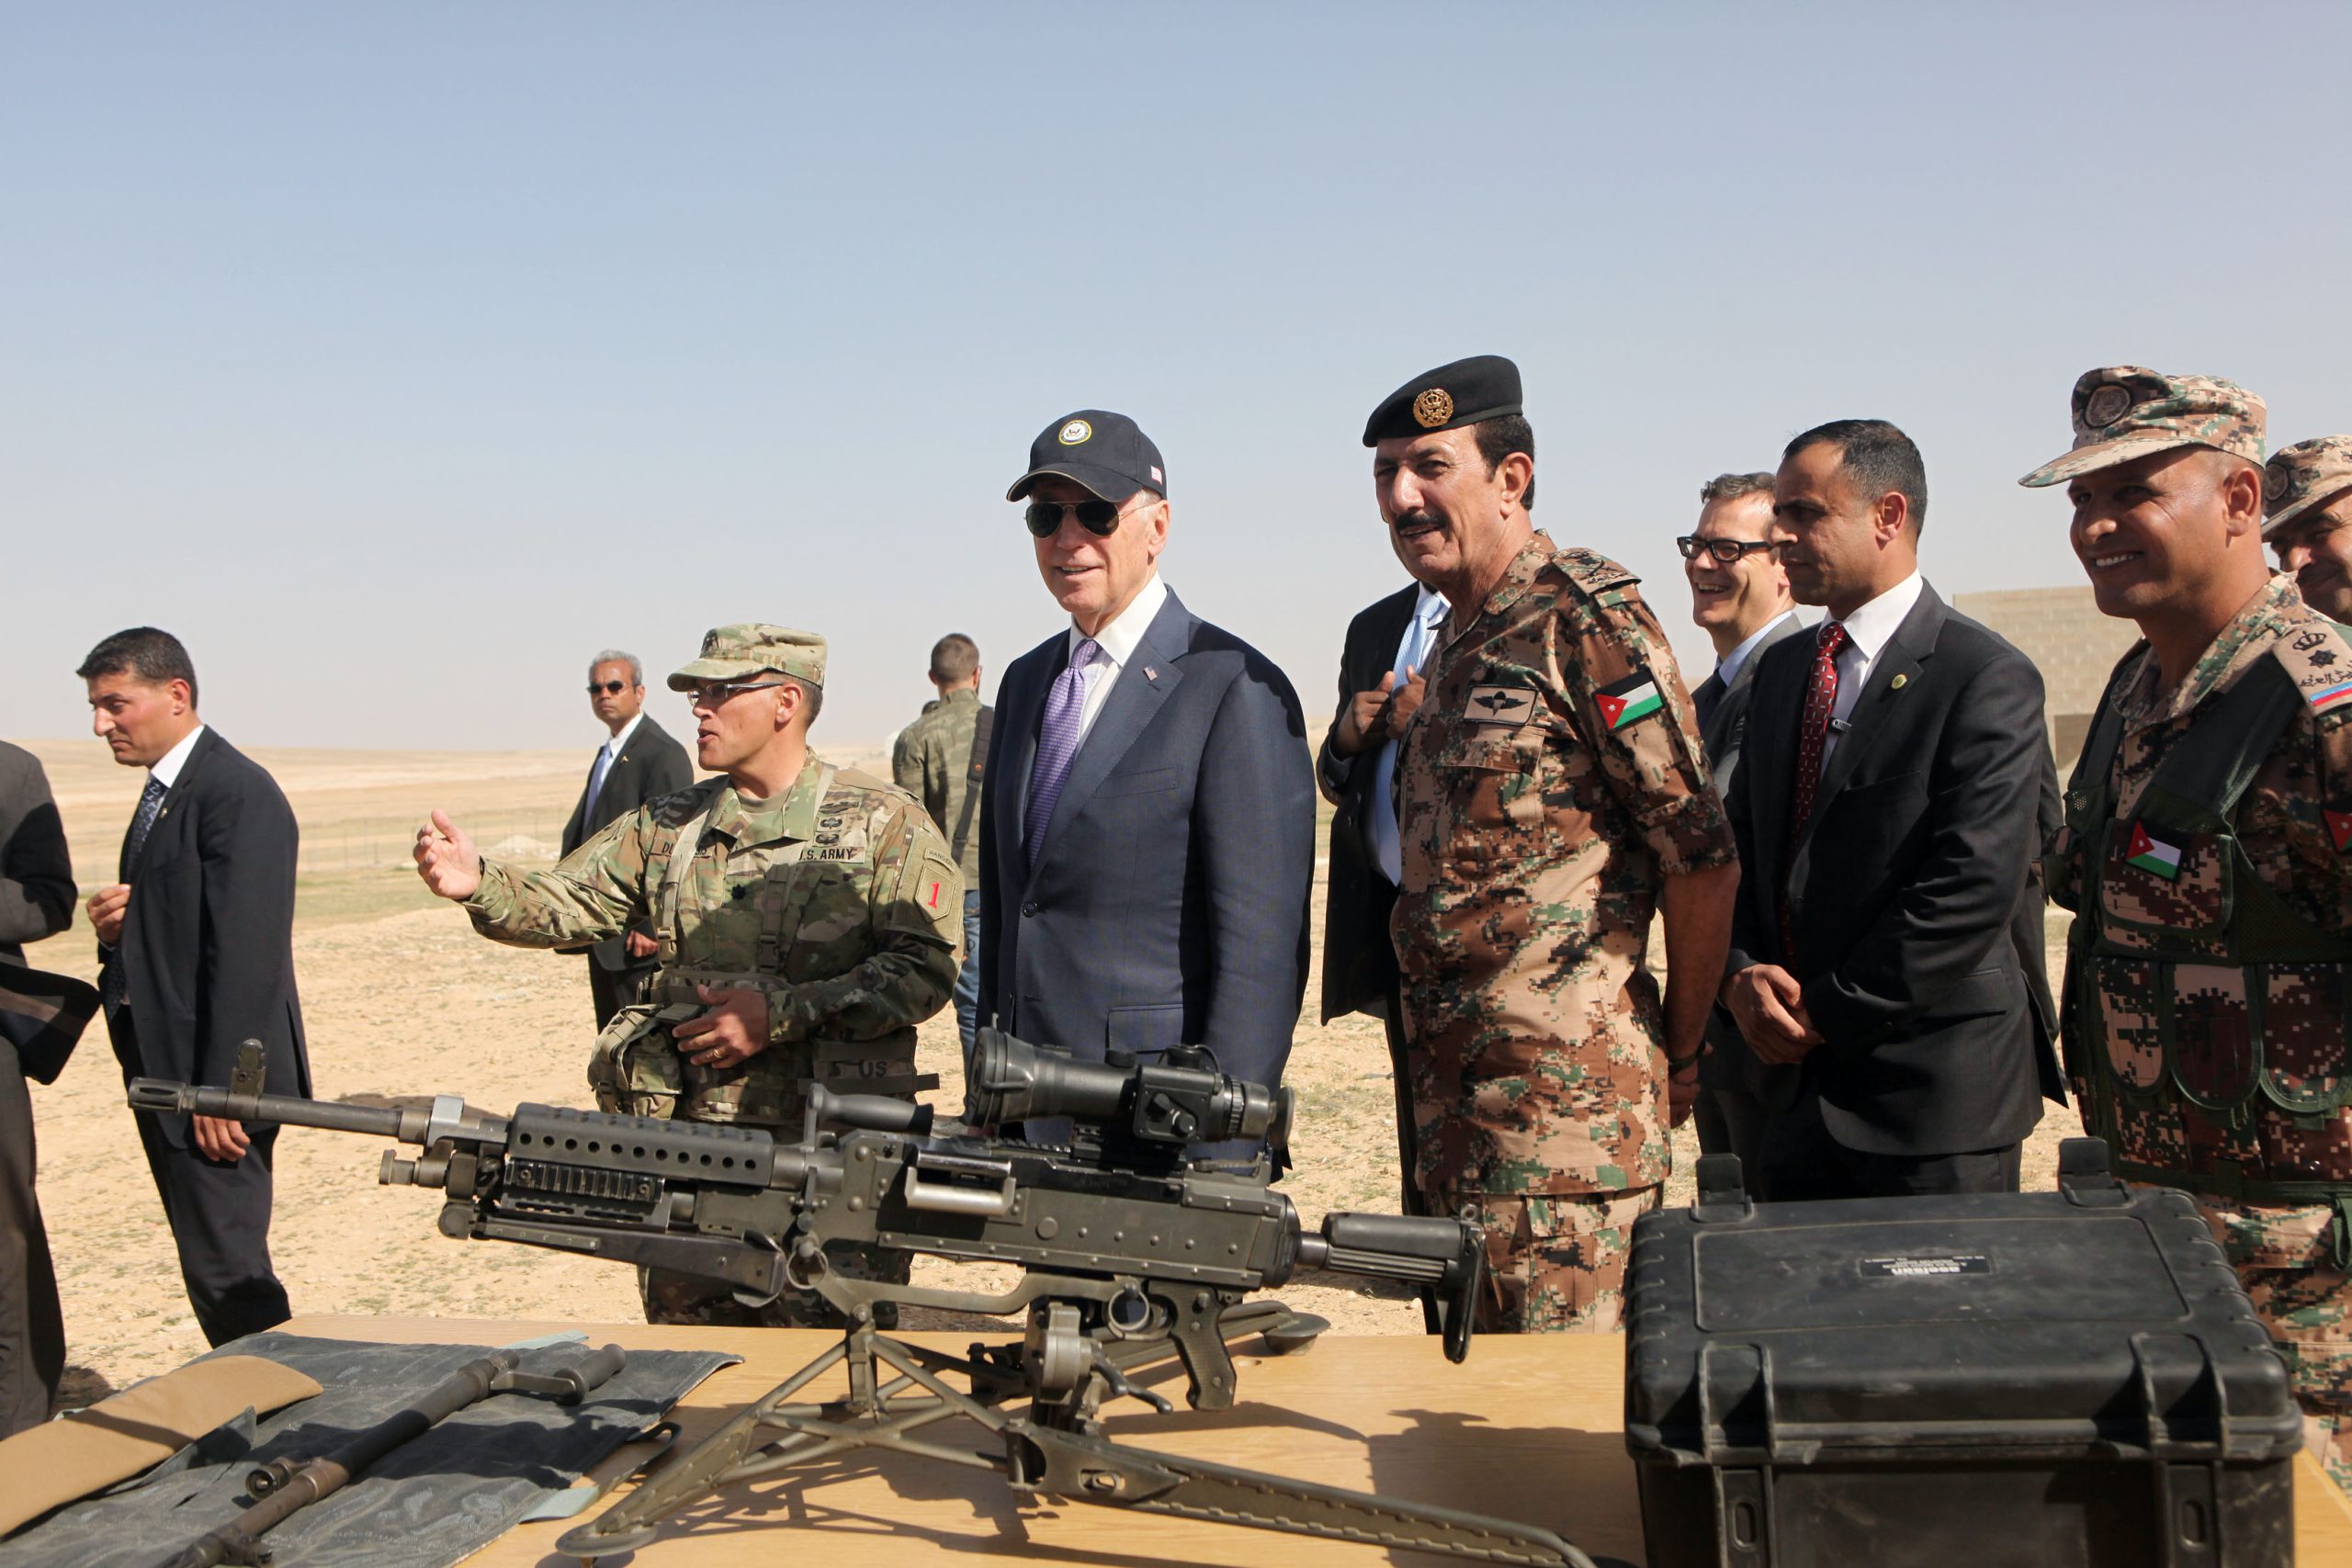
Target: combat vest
2189,980
636,1067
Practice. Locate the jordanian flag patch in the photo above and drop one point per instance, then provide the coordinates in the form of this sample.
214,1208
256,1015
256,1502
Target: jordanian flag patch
2151,854
1629,701
2339,829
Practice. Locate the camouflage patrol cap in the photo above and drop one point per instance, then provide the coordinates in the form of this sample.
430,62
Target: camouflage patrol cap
2126,412
2307,475
748,649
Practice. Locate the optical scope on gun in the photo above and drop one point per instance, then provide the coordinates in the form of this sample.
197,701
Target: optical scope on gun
1129,1108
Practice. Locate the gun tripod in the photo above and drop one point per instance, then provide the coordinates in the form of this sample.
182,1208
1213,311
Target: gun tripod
1058,1448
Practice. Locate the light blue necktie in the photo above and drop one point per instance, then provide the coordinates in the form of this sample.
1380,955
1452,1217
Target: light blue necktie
1057,744
596,780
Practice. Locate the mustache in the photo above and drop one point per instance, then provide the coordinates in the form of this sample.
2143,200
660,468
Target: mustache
1416,519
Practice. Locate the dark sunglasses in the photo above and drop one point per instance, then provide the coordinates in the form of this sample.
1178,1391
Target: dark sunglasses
610,688
1723,551
1099,518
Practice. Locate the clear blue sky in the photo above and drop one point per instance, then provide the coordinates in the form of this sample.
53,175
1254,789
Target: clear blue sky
399,356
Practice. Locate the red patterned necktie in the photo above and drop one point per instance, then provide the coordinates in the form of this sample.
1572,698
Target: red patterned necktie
1820,702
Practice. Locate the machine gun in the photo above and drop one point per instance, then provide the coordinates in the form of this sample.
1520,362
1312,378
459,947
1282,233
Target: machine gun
1132,1252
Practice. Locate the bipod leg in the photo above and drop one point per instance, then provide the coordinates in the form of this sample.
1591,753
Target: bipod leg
1092,1470
693,1474
874,1416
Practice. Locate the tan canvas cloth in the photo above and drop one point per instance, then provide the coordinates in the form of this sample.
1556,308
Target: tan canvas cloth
116,1439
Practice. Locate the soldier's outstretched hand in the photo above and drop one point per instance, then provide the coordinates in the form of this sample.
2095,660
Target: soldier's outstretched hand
446,858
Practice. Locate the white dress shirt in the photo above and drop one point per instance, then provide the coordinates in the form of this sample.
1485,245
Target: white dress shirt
166,771
1115,647
1729,667
1868,631
1413,650
608,755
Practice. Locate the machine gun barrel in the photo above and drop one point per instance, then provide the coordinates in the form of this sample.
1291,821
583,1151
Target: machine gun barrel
409,1125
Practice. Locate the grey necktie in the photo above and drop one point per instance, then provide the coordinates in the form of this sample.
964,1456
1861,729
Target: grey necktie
151,806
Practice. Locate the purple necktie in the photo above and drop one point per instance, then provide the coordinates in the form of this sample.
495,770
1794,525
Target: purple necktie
1057,744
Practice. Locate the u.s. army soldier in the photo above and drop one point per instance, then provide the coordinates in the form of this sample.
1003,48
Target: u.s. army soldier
1550,797
806,927
2207,854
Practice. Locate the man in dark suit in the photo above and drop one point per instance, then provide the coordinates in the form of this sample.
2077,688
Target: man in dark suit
638,763
36,901
1383,675
196,945
1886,962
1740,596
1148,809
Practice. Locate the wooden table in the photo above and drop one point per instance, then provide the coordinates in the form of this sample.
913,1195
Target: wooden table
1527,1429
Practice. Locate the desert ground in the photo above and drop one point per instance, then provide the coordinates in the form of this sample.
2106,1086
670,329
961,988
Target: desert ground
401,999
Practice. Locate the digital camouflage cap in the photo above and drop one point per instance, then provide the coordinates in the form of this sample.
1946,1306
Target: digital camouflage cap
2127,411
2307,475
747,648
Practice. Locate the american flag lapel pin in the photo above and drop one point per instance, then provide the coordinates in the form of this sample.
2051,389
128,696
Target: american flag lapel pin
1150,673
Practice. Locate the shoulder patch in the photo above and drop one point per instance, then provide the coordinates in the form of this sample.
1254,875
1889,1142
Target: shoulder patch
2317,656
1594,572
677,808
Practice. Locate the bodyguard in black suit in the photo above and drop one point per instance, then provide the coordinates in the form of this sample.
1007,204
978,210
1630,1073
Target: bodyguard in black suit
639,763
1382,677
38,1026
1147,815
196,944
1886,962
1739,597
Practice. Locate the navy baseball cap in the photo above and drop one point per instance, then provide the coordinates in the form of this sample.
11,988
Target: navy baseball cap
1105,452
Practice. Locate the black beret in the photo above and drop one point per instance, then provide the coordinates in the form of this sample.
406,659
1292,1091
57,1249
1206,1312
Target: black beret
1465,393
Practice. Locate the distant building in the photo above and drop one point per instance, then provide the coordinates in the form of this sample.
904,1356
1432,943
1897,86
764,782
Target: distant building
2069,641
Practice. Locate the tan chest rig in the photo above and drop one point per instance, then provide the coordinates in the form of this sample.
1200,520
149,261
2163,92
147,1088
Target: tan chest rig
636,1068
2201,993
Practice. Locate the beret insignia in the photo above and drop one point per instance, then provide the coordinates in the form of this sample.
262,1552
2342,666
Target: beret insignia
2106,404
1077,432
1433,408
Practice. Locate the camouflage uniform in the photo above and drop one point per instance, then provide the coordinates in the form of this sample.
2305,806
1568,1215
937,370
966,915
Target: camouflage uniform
836,899
2307,507
2205,1006
938,760
1551,778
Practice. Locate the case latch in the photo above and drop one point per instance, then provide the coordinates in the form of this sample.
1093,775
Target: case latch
1723,1196
2084,1177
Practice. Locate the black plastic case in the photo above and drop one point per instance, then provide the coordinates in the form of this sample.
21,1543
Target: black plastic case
2068,1377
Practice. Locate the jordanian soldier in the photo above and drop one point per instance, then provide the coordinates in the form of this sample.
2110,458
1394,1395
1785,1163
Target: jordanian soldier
2307,518
2205,856
808,926
1551,795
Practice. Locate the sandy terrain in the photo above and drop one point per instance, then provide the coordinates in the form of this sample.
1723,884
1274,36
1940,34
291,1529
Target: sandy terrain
401,1000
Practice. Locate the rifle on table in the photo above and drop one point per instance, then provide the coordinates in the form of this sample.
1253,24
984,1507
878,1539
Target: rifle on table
1133,1252
283,1487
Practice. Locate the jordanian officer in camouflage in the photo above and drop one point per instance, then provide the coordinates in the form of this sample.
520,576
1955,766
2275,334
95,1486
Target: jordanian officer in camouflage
2207,854
809,927
2307,518
1551,797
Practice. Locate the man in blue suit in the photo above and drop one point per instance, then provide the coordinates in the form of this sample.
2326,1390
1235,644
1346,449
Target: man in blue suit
1147,819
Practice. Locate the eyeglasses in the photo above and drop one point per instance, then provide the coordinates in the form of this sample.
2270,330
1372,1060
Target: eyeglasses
712,695
609,688
1724,550
1099,518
